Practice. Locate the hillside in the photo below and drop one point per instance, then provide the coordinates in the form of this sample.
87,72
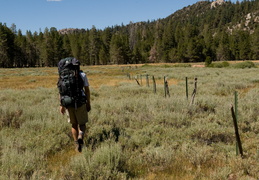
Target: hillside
220,14
205,31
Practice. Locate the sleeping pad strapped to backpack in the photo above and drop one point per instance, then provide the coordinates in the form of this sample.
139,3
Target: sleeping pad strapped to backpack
70,83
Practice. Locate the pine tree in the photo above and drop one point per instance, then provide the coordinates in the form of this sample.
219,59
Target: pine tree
67,52
136,56
103,56
116,51
85,48
223,51
75,45
244,45
19,53
105,47
255,44
95,45
31,49
7,46
40,45
48,53
168,41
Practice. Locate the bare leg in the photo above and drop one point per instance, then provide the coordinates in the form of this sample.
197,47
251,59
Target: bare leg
75,131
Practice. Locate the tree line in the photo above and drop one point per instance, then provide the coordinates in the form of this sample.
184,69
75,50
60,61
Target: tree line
197,33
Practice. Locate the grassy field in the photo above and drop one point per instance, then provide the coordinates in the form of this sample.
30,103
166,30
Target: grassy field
133,133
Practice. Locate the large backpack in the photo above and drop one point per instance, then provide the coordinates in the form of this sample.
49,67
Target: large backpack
70,83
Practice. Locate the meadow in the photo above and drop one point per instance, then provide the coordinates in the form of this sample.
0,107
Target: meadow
133,133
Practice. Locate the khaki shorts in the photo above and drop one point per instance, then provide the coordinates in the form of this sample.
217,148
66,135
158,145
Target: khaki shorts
78,116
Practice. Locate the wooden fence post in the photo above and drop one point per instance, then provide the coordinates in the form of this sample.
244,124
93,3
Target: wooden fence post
236,132
236,115
147,80
154,84
137,81
128,75
186,82
165,85
194,91
166,88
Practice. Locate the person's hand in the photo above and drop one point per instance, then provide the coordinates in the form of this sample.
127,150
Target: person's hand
88,107
62,110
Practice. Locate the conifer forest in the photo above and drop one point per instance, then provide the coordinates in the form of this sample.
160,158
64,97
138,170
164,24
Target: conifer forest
197,33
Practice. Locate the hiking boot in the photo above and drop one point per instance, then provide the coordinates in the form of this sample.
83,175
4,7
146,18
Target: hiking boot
80,138
78,147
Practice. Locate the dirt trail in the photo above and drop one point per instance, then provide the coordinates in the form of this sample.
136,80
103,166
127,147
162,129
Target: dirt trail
61,159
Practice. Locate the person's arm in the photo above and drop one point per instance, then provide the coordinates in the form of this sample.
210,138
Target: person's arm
88,102
62,109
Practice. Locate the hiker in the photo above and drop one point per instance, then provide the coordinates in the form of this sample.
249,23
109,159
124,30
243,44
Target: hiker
74,97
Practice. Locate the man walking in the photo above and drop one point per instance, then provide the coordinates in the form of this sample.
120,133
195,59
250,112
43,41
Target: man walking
74,92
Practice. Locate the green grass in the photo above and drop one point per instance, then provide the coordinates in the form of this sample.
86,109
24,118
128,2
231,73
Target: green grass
134,133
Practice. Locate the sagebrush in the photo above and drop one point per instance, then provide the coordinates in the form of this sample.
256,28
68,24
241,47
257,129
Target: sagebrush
133,133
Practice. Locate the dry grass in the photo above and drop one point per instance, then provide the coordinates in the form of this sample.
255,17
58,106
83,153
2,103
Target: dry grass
59,160
8,80
27,78
158,138
27,82
47,78
111,75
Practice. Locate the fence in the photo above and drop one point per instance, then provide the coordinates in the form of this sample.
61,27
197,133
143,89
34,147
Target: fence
234,110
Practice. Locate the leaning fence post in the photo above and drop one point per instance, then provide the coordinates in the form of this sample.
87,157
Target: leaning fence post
236,115
137,81
194,91
186,82
154,84
239,144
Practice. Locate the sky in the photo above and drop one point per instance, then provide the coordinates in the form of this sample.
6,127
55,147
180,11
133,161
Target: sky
36,15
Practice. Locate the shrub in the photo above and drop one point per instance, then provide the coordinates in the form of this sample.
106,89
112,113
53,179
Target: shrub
208,61
216,65
10,119
243,65
134,133
103,163
225,64
219,64
182,65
